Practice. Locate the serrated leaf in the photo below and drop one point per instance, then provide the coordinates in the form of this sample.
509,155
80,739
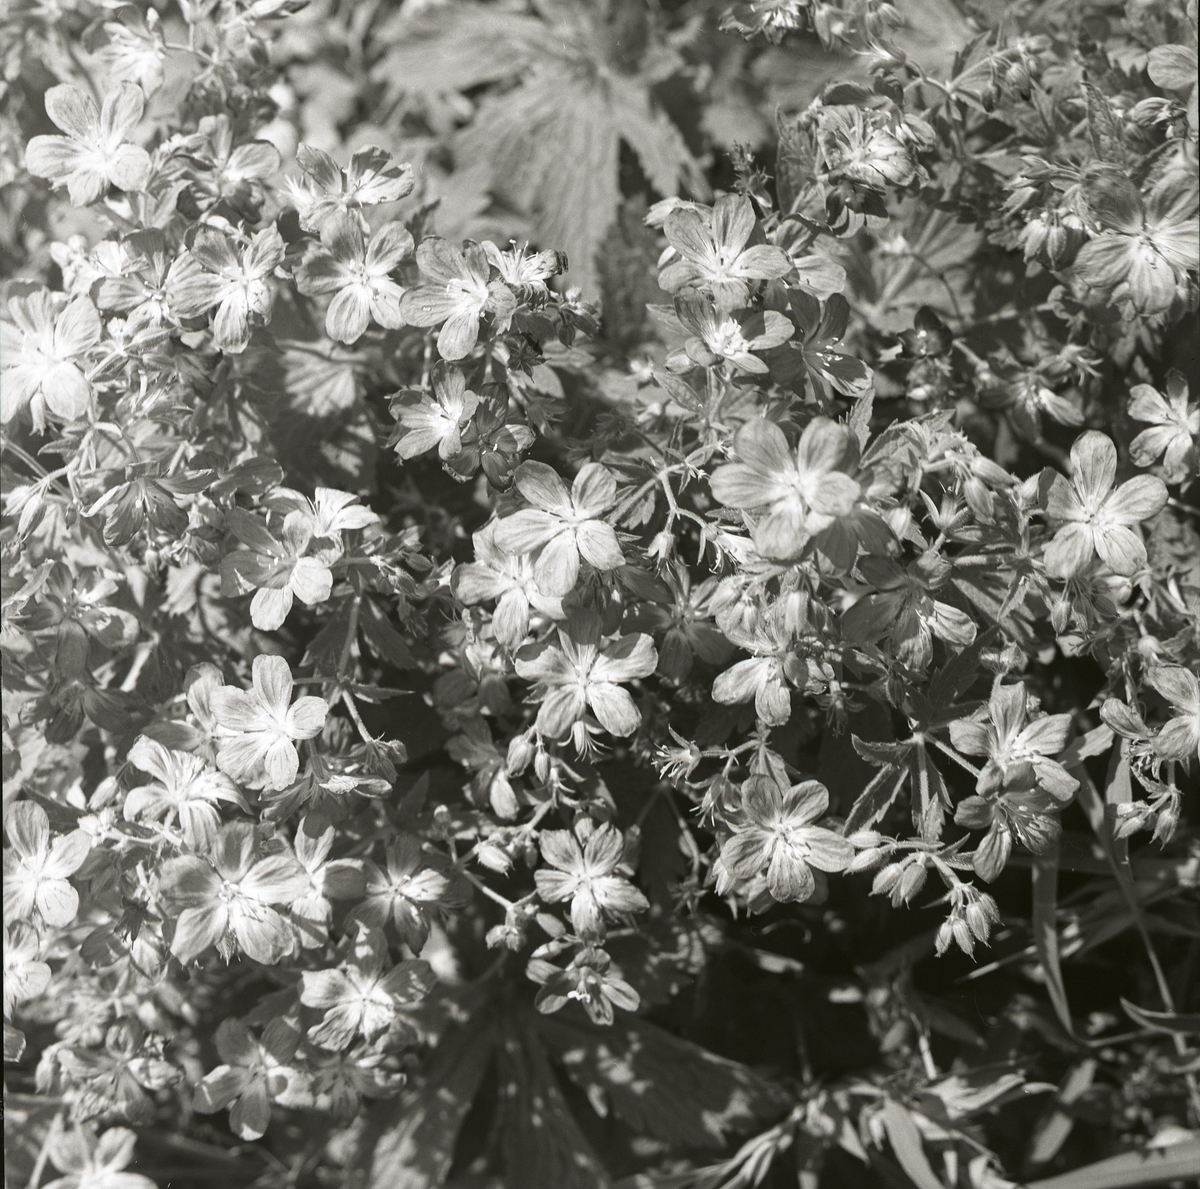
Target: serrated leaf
550,146
414,1146
876,799
544,1147
659,1084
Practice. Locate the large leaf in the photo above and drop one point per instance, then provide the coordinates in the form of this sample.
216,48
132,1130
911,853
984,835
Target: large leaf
411,1143
658,1084
548,147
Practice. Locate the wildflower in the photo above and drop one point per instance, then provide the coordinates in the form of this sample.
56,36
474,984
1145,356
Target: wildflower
457,290
802,494
1026,815
714,253
265,726
25,976
94,1163
439,422
277,570
224,173
564,525
822,327
214,274
864,148
1174,426
477,752
586,866
1095,516
43,349
357,273
972,915
587,980
763,678
1173,67
117,1077
254,1074
904,607
1018,749
525,274
359,998
342,1080
775,835
717,336
489,441
402,892
336,879
225,900
579,673
328,194
507,578
1145,249
184,787
687,624
36,869
93,155
1180,738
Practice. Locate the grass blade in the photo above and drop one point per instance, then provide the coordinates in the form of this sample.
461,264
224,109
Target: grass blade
1057,1124
1152,1167
1045,932
906,1146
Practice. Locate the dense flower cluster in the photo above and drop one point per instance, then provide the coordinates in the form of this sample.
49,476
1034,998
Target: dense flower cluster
848,496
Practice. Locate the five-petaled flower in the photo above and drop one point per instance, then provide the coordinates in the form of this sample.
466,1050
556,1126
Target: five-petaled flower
1097,517
278,571
715,253
264,725
358,274
43,350
329,879
329,195
226,899
586,868
508,578
213,273
36,869
1028,815
803,493
438,422
403,892
587,980
25,975
1018,749
717,336
1174,428
185,786
360,997
254,1074
456,290
94,1163
564,525
93,155
579,672
1146,248
775,837
1180,738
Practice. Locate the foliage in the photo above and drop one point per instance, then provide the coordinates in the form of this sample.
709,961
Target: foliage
484,714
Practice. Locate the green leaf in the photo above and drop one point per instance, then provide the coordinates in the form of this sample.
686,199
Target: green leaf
660,1085
415,1145
549,147
1045,931
1153,1167
1057,1124
905,1139
1163,1021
